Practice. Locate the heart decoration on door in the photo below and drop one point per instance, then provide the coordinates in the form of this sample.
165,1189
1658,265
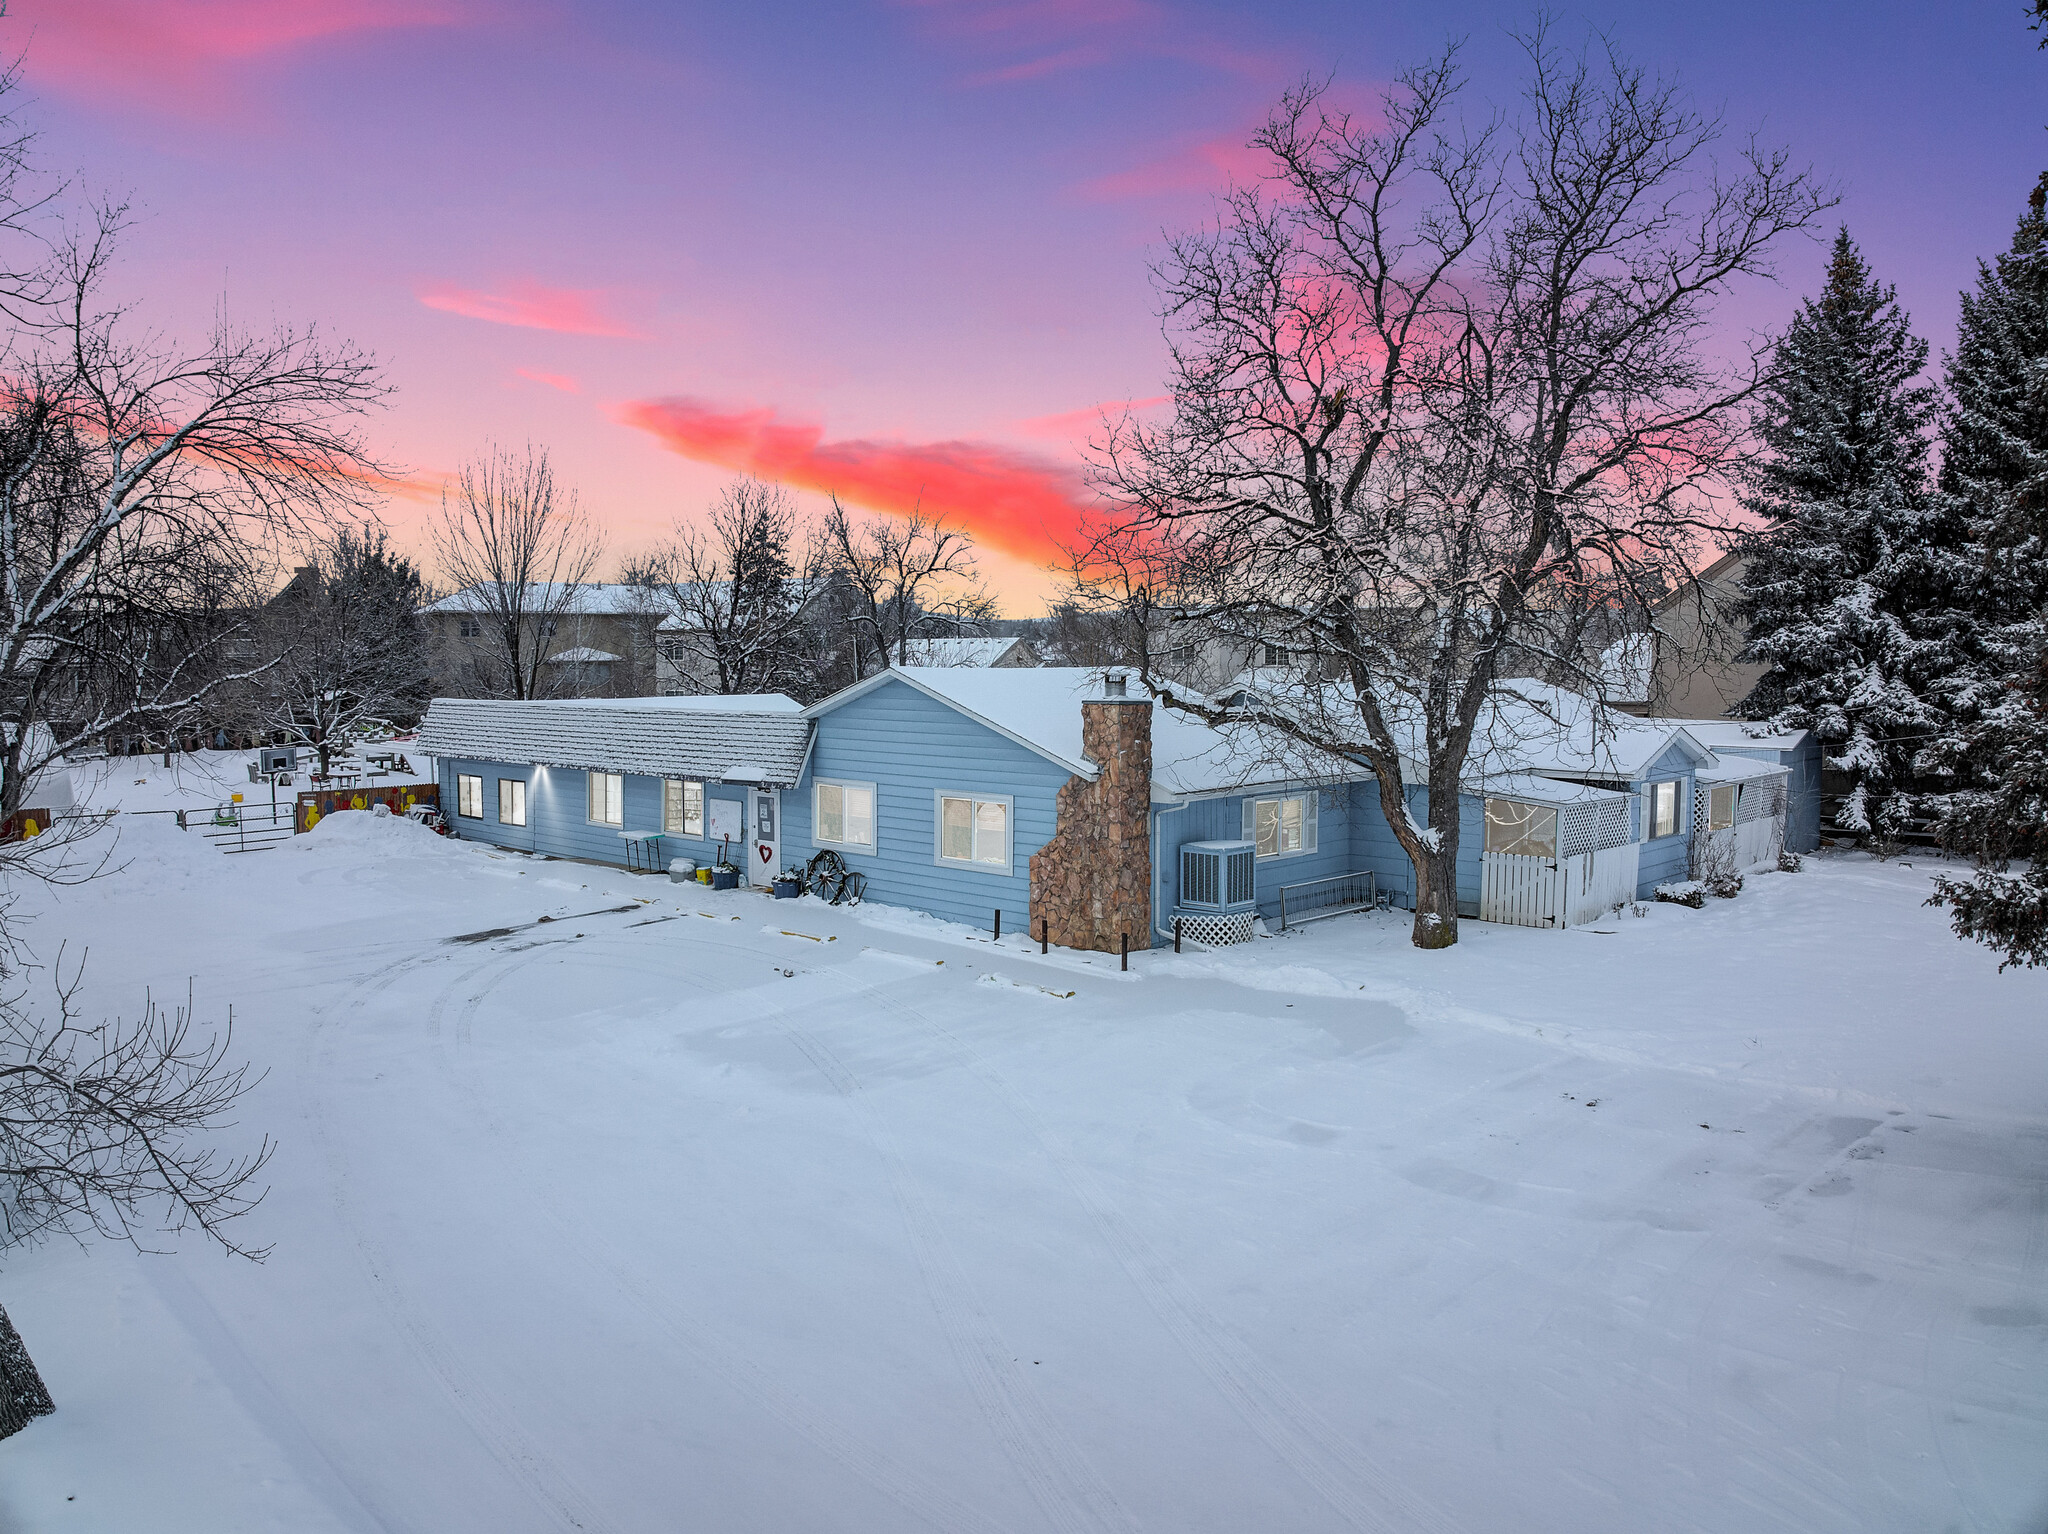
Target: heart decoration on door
766,851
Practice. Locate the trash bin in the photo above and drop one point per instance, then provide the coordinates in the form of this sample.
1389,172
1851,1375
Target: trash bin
682,870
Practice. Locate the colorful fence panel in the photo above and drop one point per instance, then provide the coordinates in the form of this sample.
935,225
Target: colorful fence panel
24,825
317,804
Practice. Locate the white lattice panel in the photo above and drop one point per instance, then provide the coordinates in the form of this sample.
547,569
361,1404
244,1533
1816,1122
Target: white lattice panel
1214,930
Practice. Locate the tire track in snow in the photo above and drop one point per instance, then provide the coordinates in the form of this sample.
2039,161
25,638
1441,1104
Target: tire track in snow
552,1493
1309,1445
931,1504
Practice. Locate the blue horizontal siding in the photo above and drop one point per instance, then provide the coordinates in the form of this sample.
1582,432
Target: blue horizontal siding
1665,859
1222,820
910,746
557,813
1802,813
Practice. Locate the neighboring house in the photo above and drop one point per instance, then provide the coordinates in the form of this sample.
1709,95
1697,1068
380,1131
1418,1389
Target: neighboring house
1693,670
1003,651
1048,798
602,644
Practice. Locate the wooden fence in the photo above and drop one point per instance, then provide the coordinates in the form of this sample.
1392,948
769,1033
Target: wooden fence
316,805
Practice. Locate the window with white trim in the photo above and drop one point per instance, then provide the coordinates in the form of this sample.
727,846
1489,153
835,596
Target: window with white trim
972,831
511,801
469,796
1282,827
843,815
1515,829
1721,806
682,807
1663,799
607,798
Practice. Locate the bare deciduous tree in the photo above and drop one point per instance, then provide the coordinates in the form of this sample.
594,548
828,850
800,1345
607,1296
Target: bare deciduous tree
516,546
344,643
899,579
740,592
1434,385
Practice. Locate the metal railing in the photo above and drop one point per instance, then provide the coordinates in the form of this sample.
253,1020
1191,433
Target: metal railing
1314,899
241,827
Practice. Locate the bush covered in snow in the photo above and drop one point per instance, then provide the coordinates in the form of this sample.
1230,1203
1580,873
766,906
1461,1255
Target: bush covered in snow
1687,892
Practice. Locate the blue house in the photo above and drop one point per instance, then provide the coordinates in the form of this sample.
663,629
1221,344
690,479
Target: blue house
634,781
1798,751
1058,800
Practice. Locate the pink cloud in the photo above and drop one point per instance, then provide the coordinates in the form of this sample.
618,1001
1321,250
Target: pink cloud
1197,167
1078,425
571,311
1022,40
1016,502
562,381
174,53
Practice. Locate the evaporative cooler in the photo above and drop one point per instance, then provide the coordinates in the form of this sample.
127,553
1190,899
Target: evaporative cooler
1216,904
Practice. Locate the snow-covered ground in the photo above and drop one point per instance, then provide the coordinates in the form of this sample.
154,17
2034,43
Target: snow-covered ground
687,1210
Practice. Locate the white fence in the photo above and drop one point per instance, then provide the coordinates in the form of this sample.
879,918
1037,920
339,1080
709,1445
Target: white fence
1560,892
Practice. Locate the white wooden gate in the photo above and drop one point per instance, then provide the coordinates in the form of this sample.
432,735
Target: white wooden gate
1521,891
1539,892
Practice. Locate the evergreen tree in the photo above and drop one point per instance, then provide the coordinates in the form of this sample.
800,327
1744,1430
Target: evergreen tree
1995,474
1852,553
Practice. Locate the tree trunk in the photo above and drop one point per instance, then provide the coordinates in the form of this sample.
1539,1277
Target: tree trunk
23,1397
1436,900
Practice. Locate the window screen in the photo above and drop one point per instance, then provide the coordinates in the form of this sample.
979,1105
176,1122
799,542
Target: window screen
974,831
1721,807
511,801
682,807
469,796
1279,827
1521,830
843,815
1663,809
607,798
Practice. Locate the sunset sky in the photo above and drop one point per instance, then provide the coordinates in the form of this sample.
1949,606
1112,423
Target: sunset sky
893,250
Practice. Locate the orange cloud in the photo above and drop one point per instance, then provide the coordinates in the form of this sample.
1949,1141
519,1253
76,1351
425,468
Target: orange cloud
172,51
562,381
572,311
1011,501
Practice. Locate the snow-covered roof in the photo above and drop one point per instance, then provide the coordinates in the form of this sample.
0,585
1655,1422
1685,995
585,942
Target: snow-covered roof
1521,785
582,655
659,737
1740,734
968,651
1039,707
583,599
1740,769
1551,731
711,702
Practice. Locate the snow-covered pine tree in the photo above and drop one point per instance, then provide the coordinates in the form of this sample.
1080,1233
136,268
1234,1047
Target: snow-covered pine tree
1995,475
1846,559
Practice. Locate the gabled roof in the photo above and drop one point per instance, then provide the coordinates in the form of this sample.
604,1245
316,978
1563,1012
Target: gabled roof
1741,735
1039,707
1535,727
710,738
964,651
583,599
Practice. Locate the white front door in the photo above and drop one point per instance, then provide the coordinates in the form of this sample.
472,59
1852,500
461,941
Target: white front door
766,862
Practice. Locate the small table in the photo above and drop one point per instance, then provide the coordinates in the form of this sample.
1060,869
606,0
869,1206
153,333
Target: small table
643,850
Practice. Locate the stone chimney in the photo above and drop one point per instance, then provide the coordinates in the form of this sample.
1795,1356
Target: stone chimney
1092,883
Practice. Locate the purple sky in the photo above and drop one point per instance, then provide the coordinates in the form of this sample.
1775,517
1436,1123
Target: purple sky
890,249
